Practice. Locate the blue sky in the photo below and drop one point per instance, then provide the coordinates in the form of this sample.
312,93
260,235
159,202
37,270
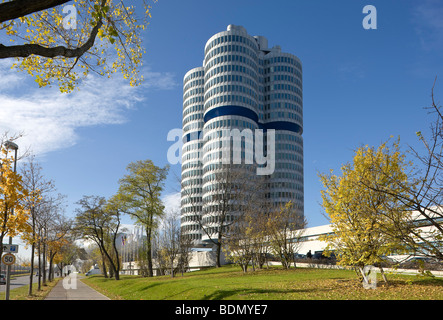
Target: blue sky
359,87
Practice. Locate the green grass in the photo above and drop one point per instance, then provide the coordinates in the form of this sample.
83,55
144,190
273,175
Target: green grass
230,283
21,293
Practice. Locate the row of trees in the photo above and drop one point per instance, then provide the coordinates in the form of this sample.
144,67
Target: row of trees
246,225
255,235
383,203
31,208
99,220
258,230
171,250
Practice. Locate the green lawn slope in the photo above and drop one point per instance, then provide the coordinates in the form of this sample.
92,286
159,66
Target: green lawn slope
230,283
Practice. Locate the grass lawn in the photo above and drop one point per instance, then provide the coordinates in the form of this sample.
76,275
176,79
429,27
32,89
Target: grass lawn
230,283
21,293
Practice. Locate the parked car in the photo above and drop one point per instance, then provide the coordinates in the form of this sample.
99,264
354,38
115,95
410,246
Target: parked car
322,255
2,279
94,270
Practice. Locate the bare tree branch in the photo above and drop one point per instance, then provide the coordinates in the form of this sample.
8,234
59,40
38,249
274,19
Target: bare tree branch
26,50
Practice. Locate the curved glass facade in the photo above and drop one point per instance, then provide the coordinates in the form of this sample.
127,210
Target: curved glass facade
192,169
246,86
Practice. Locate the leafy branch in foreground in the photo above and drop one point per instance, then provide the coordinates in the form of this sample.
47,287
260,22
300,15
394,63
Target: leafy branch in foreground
57,42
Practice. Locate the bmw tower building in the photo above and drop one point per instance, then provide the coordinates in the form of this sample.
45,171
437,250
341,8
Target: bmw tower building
243,86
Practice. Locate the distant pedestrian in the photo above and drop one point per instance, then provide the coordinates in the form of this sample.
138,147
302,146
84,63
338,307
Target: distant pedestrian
309,254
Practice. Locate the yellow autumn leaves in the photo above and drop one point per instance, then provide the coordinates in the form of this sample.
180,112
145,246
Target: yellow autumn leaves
117,47
13,215
366,221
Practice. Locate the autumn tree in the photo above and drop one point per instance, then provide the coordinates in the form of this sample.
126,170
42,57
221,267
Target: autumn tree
366,223
233,187
13,214
50,209
39,188
139,193
240,244
284,231
248,233
67,253
59,236
63,41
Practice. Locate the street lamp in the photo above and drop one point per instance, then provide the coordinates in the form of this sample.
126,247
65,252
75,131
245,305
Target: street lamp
10,145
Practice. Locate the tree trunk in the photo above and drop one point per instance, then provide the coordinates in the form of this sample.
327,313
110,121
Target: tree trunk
39,277
117,259
383,274
149,252
44,263
112,269
31,276
105,270
218,251
50,265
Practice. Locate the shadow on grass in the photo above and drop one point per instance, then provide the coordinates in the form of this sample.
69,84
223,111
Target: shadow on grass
428,281
150,286
225,294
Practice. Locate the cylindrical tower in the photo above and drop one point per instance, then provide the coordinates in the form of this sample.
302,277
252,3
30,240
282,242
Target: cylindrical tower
283,111
192,171
243,87
231,114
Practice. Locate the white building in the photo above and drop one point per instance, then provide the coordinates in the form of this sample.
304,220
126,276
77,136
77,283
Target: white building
243,85
310,236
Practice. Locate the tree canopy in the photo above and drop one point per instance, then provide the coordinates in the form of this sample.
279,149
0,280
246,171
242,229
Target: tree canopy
366,223
139,196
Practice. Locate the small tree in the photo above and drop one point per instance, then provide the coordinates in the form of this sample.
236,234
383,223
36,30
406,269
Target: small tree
13,194
170,240
284,232
233,188
365,223
184,253
239,244
247,236
39,191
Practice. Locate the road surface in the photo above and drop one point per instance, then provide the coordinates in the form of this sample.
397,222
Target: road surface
17,282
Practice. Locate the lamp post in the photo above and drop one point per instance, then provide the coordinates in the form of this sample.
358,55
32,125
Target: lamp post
14,146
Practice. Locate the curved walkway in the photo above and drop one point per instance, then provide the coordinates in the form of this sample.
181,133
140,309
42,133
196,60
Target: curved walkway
75,290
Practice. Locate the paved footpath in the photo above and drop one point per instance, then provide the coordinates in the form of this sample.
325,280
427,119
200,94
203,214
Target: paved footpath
81,292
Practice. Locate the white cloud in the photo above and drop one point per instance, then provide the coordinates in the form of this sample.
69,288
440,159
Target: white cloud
9,79
172,202
159,80
49,119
